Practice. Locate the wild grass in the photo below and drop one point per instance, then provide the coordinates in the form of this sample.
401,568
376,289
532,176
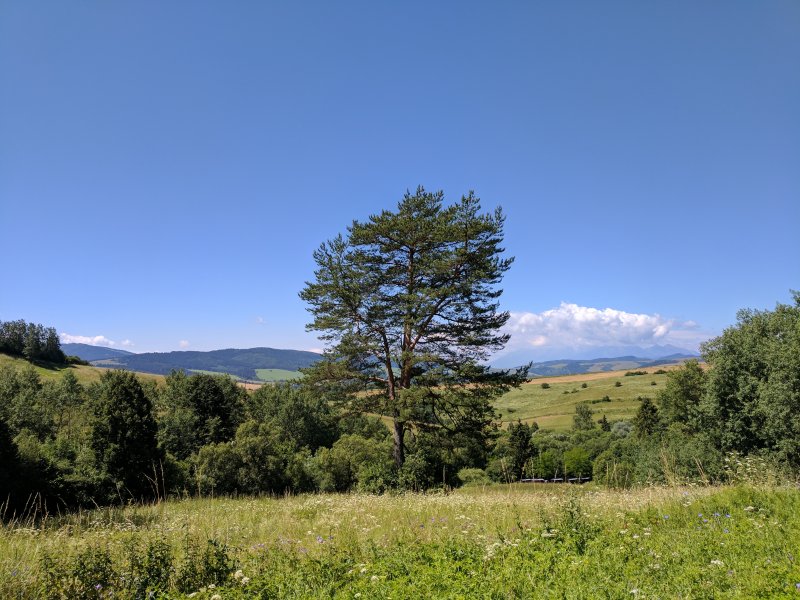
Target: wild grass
494,542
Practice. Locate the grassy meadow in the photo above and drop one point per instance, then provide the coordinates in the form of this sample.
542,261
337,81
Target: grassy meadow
554,407
271,375
85,375
518,541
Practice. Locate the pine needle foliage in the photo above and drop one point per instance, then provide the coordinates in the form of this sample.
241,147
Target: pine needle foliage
407,303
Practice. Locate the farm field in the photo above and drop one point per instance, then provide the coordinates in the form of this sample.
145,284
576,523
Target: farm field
500,541
554,407
270,375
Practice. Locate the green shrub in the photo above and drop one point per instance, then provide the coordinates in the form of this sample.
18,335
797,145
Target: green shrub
473,476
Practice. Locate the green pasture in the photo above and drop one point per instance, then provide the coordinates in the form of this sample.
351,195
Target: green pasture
85,374
554,408
277,375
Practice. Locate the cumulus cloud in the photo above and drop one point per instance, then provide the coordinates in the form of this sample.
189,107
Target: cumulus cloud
97,340
570,326
183,344
126,343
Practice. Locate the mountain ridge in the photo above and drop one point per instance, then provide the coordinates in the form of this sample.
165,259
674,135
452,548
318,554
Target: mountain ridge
240,362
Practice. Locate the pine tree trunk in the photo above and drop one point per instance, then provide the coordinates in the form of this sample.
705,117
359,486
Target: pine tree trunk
398,432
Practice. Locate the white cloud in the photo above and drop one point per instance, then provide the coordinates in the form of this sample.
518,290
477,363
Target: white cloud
570,326
97,340
183,344
126,343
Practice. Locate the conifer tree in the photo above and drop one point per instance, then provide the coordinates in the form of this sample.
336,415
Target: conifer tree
408,305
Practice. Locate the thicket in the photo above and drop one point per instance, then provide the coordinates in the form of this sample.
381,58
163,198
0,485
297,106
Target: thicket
32,341
121,440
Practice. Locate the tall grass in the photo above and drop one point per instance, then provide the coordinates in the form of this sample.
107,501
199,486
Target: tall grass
498,541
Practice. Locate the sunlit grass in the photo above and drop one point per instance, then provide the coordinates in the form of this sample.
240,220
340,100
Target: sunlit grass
554,407
661,541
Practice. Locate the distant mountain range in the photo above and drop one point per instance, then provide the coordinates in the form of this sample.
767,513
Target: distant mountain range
249,363
545,355
90,353
240,363
553,368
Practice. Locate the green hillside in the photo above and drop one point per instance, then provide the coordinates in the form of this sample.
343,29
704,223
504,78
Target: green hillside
84,374
277,374
241,363
553,408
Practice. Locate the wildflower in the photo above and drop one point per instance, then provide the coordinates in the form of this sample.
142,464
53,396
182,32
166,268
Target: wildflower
666,517
98,587
238,575
245,580
363,570
749,508
717,563
216,597
374,578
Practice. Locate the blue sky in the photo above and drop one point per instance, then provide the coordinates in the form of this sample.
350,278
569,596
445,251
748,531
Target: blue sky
168,168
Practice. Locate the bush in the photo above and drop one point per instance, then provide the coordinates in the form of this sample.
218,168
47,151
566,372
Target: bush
617,384
577,462
472,476
545,386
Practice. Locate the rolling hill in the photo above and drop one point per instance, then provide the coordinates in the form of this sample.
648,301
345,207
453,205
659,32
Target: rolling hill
554,368
241,363
90,353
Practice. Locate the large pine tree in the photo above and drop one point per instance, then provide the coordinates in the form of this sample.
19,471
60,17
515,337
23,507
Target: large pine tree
408,304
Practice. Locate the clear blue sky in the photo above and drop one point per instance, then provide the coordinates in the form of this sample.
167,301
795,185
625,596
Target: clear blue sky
167,168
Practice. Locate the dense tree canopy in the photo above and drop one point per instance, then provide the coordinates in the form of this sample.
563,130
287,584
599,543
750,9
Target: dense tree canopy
124,436
408,304
31,340
753,395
